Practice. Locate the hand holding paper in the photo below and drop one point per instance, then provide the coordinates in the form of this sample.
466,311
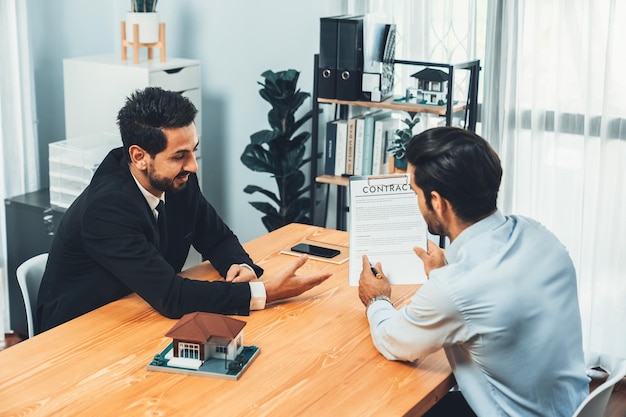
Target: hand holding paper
433,259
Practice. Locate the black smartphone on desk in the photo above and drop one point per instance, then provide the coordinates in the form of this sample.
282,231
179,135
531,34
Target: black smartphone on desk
315,250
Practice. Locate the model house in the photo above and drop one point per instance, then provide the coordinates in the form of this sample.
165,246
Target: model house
197,337
431,87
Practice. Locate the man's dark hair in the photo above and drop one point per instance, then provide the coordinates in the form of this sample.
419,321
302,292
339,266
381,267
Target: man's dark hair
461,166
147,112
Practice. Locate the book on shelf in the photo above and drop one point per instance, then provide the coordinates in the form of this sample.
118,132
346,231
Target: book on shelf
383,124
358,145
330,148
368,139
340,146
350,145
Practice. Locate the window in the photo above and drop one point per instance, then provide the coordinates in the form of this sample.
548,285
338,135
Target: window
188,350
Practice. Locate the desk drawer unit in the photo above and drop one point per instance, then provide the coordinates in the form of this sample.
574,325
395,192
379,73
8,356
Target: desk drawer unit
31,222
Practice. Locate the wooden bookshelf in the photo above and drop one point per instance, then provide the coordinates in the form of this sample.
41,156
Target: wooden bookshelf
394,104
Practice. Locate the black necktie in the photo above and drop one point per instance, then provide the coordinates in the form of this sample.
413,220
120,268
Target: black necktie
162,222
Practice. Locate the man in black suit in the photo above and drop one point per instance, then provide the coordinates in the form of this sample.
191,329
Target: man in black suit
110,242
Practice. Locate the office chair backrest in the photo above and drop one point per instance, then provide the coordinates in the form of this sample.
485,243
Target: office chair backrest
596,402
29,276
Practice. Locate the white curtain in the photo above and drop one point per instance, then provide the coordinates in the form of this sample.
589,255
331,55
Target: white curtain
433,31
554,107
552,88
19,162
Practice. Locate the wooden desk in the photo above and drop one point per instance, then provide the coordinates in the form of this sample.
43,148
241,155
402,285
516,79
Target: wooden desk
316,358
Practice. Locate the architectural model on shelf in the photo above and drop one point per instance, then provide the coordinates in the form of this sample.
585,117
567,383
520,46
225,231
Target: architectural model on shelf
431,88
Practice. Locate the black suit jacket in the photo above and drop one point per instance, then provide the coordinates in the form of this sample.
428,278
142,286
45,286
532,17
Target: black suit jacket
107,246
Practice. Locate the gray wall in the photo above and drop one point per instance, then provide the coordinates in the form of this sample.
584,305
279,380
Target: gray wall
235,41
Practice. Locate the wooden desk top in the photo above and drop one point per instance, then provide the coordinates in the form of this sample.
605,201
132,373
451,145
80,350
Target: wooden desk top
316,357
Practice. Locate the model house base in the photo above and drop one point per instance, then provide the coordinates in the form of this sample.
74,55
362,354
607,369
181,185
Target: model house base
211,368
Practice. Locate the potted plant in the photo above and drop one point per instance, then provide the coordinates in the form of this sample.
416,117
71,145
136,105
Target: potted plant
144,14
397,148
280,152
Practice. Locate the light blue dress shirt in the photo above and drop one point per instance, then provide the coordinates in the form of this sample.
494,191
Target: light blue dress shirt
505,309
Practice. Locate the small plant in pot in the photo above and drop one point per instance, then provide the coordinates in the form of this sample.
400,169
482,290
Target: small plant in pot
144,14
280,152
143,6
397,148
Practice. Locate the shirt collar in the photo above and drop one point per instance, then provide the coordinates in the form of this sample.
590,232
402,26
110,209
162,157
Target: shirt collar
488,223
153,201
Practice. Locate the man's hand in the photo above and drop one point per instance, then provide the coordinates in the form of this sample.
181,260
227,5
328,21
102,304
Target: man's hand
369,285
286,283
433,259
239,273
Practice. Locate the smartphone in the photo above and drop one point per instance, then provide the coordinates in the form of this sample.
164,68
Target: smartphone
315,250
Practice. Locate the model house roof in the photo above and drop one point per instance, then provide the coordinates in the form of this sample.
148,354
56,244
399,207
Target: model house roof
431,74
200,327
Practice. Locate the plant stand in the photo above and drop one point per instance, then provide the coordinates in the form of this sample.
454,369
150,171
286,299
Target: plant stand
393,169
136,44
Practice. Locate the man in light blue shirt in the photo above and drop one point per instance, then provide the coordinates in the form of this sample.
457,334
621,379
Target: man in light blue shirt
501,300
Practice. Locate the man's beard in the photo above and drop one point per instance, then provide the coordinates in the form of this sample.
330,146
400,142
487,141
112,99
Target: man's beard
434,225
167,184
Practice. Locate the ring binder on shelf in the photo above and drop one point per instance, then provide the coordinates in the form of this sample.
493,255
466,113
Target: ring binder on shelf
349,58
327,65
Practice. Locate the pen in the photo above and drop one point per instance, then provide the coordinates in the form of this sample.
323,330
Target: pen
376,273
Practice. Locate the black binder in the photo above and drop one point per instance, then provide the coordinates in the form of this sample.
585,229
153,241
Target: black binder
349,58
327,67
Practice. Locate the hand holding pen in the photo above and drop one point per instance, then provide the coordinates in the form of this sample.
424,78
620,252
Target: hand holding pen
373,283
375,272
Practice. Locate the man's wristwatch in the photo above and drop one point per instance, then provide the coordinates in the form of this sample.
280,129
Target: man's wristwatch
380,297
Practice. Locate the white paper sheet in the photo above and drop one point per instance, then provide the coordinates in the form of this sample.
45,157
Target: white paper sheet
386,224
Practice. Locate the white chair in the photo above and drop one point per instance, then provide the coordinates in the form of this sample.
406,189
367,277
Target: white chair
596,402
29,276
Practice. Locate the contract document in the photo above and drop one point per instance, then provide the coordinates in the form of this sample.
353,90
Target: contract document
386,224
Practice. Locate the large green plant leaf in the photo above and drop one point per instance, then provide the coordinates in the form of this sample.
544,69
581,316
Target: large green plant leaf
290,163
258,159
251,189
302,120
298,211
264,136
273,222
263,207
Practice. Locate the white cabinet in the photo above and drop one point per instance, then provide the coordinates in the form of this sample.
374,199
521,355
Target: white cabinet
96,88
